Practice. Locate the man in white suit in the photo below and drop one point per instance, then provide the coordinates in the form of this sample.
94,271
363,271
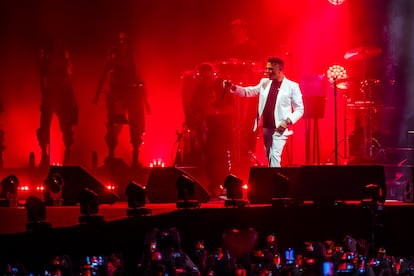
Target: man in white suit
280,105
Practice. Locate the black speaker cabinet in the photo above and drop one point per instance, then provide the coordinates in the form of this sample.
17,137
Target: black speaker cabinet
268,183
161,186
339,183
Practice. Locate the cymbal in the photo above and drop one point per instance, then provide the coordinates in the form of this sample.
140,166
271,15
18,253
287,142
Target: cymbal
362,53
345,83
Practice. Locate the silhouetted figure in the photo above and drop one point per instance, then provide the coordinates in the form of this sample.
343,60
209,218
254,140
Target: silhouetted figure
2,146
209,117
243,47
126,100
242,60
58,98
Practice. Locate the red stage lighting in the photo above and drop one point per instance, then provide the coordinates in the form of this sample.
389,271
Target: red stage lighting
336,2
89,207
157,163
234,191
185,186
336,72
24,188
53,186
36,214
136,200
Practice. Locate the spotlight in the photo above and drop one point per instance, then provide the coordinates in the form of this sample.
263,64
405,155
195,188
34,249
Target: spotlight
336,72
234,192
8,191
372,194
157,163
53,191
89,207
336,2
136,200
185,192
36,214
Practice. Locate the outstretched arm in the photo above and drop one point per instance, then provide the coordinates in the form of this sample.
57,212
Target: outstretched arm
297,104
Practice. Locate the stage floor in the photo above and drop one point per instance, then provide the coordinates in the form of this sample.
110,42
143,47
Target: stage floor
293,224
13,219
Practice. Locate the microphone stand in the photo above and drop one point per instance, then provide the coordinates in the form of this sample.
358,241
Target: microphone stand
177,159
335,123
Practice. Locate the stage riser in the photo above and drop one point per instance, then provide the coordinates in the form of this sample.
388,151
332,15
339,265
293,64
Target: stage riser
316,183
396,179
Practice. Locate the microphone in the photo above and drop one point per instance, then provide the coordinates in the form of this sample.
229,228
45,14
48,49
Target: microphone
226,85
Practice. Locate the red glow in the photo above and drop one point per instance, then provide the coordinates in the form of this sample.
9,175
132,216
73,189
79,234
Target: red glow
111,187
314,34
157,163
336,2
336,72
277,259
39,188
24,188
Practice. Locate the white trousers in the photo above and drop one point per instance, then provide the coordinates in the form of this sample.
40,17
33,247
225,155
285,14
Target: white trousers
274,144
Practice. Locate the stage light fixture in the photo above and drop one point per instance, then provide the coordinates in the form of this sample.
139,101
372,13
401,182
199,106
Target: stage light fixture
136,200
185,186
8,191
372,194
336,2
157,163
53,191
89,207
36,213
336,72
234,192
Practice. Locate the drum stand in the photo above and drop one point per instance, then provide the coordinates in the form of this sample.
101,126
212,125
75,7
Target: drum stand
369,139
315,155
335,153
335,121
178,158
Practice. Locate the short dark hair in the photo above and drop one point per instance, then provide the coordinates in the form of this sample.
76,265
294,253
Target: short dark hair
278,61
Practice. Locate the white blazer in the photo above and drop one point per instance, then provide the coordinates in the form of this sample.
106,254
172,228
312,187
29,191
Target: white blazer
289,103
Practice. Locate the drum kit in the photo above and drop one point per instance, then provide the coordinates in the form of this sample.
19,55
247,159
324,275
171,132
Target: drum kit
364,103
221,103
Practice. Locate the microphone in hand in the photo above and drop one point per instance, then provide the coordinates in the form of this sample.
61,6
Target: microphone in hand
226,86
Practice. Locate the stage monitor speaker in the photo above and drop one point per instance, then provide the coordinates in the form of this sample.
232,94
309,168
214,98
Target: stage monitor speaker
268,183
328,184
408,191
161,186
75,179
